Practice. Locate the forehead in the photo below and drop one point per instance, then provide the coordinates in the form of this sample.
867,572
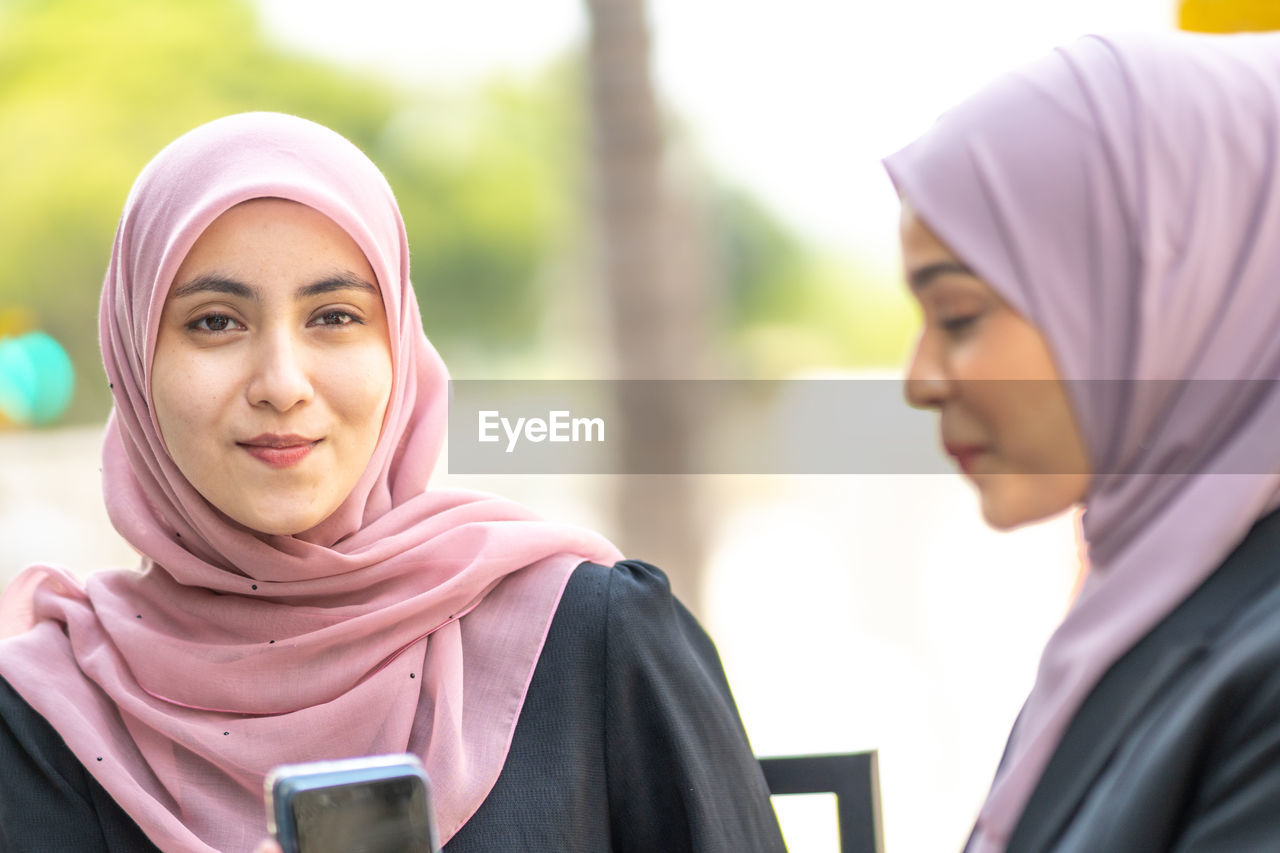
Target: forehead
275,239
260,222
919,243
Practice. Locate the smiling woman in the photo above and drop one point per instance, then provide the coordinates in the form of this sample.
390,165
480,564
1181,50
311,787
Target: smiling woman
303,595
274,317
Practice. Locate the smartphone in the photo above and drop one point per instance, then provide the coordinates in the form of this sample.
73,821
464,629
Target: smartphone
376,804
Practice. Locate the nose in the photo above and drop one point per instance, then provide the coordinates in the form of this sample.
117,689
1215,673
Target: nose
280,377
926,385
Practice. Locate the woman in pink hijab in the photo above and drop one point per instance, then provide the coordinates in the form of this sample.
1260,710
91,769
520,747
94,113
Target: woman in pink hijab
302,594
1095,243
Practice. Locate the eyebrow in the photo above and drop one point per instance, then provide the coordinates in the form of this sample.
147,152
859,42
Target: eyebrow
923,277
215,283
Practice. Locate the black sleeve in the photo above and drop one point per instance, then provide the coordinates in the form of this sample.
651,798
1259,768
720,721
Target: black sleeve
681,773
48,802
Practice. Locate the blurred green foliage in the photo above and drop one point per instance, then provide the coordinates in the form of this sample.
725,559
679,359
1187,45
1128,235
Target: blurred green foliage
90,90
792,308
490,180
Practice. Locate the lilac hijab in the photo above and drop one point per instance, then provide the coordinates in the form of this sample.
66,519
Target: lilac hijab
409,620
1123,194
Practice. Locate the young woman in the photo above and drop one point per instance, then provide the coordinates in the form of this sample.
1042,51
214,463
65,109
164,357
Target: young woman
302,594
1093,242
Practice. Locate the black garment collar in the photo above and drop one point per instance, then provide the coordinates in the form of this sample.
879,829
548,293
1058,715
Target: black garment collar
1137,678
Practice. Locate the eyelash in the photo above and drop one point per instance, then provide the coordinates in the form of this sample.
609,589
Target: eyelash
956,325
336,312
195,325
201,323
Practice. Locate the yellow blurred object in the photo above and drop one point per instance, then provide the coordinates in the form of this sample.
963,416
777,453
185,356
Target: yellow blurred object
15,321
1228,16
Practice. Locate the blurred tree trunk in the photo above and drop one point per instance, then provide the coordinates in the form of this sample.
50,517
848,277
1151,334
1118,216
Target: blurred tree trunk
655,298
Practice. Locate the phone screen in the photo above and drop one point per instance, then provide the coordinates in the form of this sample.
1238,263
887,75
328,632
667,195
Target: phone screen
384,816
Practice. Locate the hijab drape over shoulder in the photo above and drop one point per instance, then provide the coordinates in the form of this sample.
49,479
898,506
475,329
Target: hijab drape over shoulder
1123,194
409,620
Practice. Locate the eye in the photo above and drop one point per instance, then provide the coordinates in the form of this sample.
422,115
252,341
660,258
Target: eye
213,323
335,317
960,324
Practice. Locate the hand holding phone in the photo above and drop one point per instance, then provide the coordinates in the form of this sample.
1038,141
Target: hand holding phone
376,804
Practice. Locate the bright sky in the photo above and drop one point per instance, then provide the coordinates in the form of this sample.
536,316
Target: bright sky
797,99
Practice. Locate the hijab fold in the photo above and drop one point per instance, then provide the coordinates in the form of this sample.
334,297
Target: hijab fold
1123,195
409,620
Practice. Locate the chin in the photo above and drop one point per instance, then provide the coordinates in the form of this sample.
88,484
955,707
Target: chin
277,524
275,528
1006,521
1011,510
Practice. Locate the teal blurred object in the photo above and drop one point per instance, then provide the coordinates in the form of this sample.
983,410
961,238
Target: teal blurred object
36,379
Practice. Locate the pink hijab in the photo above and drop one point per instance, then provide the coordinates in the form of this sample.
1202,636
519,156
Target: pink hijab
409,620
1123,194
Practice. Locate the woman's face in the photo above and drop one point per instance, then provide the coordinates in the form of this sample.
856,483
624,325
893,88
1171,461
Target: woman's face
1003,411
273,365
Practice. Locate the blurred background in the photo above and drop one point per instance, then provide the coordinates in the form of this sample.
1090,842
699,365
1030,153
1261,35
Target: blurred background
596,189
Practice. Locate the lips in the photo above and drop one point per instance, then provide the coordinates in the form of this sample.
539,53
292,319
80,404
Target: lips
965,455
279,451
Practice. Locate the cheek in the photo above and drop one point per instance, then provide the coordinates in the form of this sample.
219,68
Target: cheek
991,405
1035,431
1012,414
176,412
1009,384
188,394
360,386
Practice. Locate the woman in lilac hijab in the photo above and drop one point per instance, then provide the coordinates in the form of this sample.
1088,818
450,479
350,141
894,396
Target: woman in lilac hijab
302,594
1095,243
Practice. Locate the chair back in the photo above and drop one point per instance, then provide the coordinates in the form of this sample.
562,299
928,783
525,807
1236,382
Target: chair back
854,779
